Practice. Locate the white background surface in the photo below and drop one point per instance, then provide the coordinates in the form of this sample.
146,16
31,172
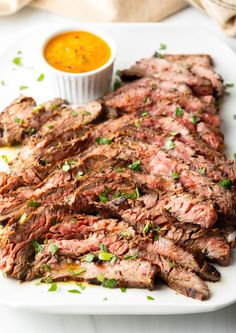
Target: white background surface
12,321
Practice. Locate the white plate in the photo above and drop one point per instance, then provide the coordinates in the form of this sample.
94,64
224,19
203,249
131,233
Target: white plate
134,41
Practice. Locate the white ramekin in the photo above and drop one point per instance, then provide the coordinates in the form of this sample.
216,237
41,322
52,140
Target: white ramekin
80,88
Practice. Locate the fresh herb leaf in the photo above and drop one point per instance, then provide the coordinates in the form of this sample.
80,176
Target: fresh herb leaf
150,298
123,290
23,87
50,126
131,257
4,158
105,299
37,109
17,61
89,257
100,278
18,121
102,197
47,279
120,170
80,285
86,113
77,272
53,248
47,267
146,228
171,264
202,170
162,47
105,256
109,283
40,77
137,194
146,99
144,114
22,218
34,204
225,183
74,291
169,144
158,55
179,111
66,166
195,119
229,85
102,247
173,133
37,247
175,175
19,52
124,234
79,174
2,82
30,130
103,141
74,113
135,166
53,287
117,84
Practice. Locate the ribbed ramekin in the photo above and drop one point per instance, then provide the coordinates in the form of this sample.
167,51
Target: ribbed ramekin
80,88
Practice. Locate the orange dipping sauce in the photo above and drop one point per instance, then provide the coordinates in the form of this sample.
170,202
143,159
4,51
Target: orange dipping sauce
77,52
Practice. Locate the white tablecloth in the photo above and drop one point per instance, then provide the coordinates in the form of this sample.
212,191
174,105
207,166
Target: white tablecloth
11,321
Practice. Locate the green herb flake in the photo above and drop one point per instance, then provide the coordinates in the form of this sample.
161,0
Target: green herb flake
169,144
171,264
195,119
150,298
144,114
102,247
37,247
102,197
86,113
124,234
37,109
50,127
235,156
123,290
22,218
162,47
41,77
146,228
179,111
146,99
234,116
119,169
158,55
18,121
34,204
30,130
131,257
66,167
37,282
23,87
154,86
53,287
77,272
105,256
202,170
101,278
53,248
225,183
118,72
105,299
109,283
79,174
173,133
2,82
80,285
17,61
4,158
117,84
47,267
74,291
229,85
89,257
137,193
103,141
135,166
175,175
74,113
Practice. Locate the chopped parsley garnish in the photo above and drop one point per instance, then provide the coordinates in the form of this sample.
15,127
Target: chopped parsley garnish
144,114
146,228
105,299
162,46
171,264
40,77
4,158
80,285
50,126
131,257
74,113
169,144
225,183
74,291
18,121
195,119
124,234
37,108
79,174
30,130
135,166
145,99
34,204
102,247
102,197
150,298
19,52
89,257
109,283
53,287
66,167
77,272
2,82
179,111
103,141
158,55
229,85
119,169
37,247
202,170
100,277
53,248
173,133
22,218
123,290
47,267
118,72
105,256
17,61
23,87
86,113
175,175
117,84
